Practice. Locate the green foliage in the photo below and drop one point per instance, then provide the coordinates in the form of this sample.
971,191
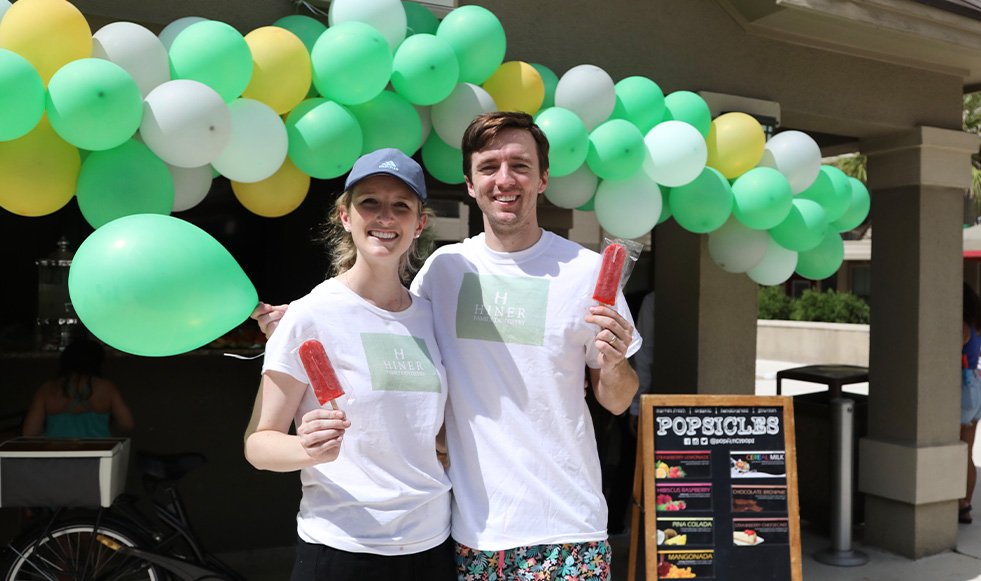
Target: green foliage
774,303
828,306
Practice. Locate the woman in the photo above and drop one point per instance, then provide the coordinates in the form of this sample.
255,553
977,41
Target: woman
79,403
376,500
970,393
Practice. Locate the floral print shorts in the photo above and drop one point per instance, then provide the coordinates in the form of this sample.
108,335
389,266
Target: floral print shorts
571,562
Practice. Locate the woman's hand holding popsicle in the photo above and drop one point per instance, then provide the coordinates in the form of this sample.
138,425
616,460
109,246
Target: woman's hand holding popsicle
321,433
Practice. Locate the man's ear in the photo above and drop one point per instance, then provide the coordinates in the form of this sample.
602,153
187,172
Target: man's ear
470,190
544,185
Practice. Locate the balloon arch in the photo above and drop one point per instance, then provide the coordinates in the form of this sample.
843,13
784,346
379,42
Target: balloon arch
135,125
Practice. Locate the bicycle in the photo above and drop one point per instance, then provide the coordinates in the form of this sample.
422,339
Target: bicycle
120,542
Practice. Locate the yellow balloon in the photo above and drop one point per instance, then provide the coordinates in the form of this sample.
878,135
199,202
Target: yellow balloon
281,72
48,33
516,86
38,172
277,195
735,144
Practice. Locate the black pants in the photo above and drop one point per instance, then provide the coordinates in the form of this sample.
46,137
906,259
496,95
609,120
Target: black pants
321,563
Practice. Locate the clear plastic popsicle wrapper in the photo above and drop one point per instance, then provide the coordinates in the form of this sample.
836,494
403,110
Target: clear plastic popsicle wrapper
619,257
320,372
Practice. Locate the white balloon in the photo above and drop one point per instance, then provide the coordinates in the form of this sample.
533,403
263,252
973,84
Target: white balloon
426,116
572,190
137,50
628,208
676,153
587,91
385,16
777,265
258,143
796,155
452,115
191,185
170,32
736,248
186,123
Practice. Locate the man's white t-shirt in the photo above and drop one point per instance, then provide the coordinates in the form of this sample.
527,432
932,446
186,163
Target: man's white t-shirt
386,493
511,329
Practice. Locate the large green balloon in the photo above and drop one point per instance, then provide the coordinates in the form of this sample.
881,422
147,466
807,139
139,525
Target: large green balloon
22,97
832,190
477,37
550,80
123,181
425,69
704,204
306,28
156,286
389,120
94,104
325,138
443,162
690,108
213,53
616,150
823,260
857,210
351,63
568,140
640,101
803,228
419,19
761,198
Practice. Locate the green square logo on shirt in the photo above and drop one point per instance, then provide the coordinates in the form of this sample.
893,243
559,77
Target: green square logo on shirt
399,363
506,309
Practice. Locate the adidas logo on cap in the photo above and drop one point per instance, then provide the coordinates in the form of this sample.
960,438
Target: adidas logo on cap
389,165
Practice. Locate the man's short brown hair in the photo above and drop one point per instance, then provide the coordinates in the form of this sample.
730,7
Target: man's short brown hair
484,128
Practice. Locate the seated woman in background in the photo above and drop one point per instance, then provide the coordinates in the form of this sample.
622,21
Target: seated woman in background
79,403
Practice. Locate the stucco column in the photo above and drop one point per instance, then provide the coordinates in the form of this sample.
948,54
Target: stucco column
704,319
911,464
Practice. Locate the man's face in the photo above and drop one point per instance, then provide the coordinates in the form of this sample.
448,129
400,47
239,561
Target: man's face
505,180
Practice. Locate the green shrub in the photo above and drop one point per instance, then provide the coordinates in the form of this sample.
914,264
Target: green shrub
774,303
829,307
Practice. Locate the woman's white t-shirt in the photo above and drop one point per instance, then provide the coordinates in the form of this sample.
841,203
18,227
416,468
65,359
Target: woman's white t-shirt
386,493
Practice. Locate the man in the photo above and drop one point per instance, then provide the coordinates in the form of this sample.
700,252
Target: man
517,329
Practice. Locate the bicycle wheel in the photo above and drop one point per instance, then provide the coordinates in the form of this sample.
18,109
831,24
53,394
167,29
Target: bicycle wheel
70,551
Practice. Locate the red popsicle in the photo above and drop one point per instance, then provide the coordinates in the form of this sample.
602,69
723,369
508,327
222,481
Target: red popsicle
608,281
320,372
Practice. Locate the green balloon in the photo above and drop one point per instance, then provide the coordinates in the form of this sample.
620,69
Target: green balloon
690,108
568,140
22,97
550,80
389,120
123,181
94,104
803,228
419,19
477,37
351,63
589,206
704,204
857,210
832,190
425,70
213,53
616,150
443,162
306,28
640,101
823,260
762,198
665,205
325,138
156,286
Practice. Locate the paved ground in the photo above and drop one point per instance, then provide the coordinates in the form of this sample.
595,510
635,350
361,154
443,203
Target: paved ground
964,564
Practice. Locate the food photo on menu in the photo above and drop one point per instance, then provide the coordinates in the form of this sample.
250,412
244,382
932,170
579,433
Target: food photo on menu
767,464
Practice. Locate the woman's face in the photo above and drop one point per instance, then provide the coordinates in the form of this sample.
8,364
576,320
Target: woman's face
384,217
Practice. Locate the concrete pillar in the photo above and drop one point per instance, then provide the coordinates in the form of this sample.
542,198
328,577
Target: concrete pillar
705,320
911,464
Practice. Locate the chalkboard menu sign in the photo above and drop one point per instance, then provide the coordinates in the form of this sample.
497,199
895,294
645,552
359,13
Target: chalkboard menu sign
720,488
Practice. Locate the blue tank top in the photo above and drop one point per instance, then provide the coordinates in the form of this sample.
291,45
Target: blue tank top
77,425
972,348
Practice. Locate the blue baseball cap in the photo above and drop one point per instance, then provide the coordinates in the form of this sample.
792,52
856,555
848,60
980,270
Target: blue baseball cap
388,161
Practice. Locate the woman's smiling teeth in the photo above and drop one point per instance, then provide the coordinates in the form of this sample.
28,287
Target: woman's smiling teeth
382,235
